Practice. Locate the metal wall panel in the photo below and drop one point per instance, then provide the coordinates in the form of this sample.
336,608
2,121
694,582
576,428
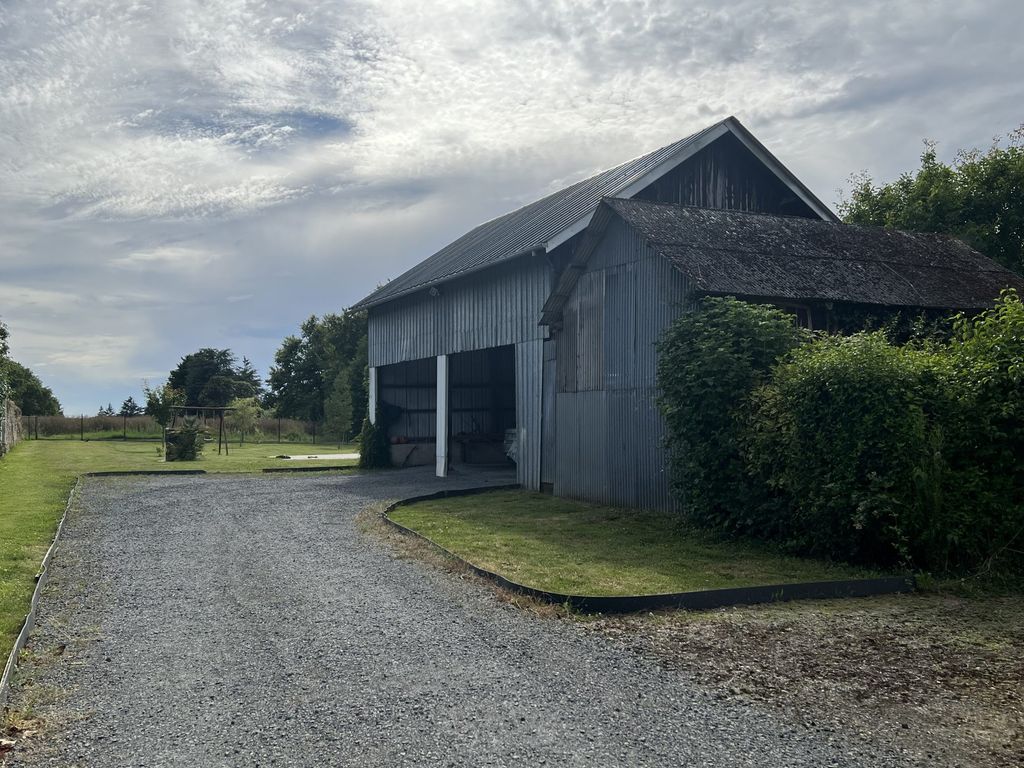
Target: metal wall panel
492,309
610,437
589,299
529,410
582,446
549,388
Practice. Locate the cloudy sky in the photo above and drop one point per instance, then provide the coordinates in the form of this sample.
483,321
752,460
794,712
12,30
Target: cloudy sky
185,173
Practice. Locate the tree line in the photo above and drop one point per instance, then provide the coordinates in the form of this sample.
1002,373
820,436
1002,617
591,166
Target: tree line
318,375
18,383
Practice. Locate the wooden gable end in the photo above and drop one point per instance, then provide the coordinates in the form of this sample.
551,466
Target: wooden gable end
727,175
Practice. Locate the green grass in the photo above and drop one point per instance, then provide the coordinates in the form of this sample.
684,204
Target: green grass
577,548
37,476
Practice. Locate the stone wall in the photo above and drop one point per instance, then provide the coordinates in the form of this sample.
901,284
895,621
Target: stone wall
10,425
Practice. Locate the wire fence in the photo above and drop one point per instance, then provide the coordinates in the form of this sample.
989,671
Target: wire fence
146,428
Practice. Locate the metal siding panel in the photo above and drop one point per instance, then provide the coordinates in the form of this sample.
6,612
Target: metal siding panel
590,334
529,377
499,307
609,444
549,448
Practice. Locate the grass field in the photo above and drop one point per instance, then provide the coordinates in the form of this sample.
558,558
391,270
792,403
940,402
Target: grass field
578,548
37,476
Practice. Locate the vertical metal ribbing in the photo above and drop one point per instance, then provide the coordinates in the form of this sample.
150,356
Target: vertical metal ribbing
441,452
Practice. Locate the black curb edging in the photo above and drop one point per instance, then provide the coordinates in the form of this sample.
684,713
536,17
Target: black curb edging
143,472
307,469
692,601
30,618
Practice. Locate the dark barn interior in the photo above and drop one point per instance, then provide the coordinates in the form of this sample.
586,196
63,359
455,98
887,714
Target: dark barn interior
482,406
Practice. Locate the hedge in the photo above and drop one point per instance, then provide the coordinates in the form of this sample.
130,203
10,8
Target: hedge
709,362
853,448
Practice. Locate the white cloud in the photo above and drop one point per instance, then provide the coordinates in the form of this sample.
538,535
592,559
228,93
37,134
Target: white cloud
166,258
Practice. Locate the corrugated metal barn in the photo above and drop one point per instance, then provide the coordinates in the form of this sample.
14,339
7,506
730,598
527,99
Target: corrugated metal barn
542,323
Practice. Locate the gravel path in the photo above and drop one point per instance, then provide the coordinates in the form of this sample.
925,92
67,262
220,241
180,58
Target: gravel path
246,621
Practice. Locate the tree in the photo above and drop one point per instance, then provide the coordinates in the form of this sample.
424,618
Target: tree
980,198
338,406
211,378
23,386
160,402
306,367
249,377
28,392
218,391
293,382
130,408
245,417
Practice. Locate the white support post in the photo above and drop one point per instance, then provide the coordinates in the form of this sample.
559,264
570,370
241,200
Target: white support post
442,416
372,405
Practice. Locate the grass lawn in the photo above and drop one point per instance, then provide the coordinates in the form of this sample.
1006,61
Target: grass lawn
577,548
37,476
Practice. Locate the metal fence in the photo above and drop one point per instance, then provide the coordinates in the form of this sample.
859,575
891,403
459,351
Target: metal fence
146,428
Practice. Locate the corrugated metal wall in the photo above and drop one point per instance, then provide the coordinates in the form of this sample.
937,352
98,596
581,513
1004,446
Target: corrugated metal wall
490,309
529,410
610,432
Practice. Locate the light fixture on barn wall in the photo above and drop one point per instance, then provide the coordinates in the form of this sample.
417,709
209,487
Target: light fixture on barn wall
435,291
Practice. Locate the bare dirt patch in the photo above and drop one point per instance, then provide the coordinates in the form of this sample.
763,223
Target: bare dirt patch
938,675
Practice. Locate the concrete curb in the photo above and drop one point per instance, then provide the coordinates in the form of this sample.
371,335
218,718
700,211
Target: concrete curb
144,472
30,619
270,470
693,601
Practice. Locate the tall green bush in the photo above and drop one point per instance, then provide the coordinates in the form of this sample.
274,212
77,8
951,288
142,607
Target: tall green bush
849,432
374,444
987,356
709,362
852,448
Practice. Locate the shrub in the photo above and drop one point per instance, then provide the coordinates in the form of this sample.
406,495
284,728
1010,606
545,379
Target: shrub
849,433
987,357
374,440
374,447
186,442
709,361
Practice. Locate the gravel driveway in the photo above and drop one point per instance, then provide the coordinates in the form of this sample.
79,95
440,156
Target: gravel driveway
246,621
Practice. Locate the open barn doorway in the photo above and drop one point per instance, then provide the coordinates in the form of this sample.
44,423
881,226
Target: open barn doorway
408,406
479,398
482,406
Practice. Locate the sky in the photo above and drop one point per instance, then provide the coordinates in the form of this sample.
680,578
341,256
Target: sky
178,174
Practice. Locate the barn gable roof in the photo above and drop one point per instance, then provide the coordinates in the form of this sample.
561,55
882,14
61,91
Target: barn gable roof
550,221
797,259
